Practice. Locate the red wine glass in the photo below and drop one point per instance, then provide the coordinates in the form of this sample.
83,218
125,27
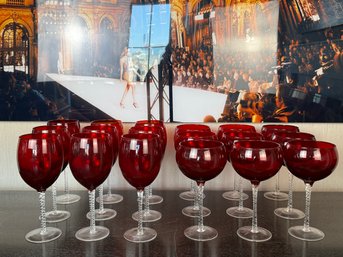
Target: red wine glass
190,195
282,138
159,126
237,127
228,137
104,213
201,160
194,210
56,215
109,197
140,161
256,160
267,132
72,126
91,161
310,161
40,160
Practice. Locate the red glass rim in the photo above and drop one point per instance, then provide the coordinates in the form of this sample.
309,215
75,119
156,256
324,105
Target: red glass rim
140,136
234,134
237,127
255,144
310,144
195,133
107,122
283,127
62,122
90,135
285,136
48,128
38,136
201,144
192,126
159,122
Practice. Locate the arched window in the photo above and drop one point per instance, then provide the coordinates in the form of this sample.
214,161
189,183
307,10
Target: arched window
107,42
14,50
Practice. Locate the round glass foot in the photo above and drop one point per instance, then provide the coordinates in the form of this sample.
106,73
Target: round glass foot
155,199
261,235
85,234
276,196
105,214
149,216
132,235
56,216
240,213
290,214
192,212
312,234
188,195
67,199
204,234
35,236
234,195
110,198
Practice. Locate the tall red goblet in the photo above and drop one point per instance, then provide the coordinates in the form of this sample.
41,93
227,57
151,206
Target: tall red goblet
201,160
40,160
282,137
190,195
267,132
310,161
140,161
161,129
90,161
56,215
194,210
73,126
256,160
228,137
104,213
109,197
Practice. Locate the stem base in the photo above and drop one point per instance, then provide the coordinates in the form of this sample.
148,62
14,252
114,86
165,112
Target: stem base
56,216
35,236
234,195
276,196
187,195
206,234
67,199
240,213
132,235
155,199
84,234
192,212
111,198
312,234
105,214
261,235
150,216
289,214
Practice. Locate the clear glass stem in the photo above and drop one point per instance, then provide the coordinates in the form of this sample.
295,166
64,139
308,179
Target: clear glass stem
308,190
150,191
290,192
235,185
101,198
193,186
92,210
240,204
277,187
140,211
66,186
254,228
109,185
196,198
200,196
54,195
146,200
42,212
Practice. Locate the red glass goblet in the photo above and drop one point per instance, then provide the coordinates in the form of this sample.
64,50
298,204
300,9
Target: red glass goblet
267,132
282,138
237,127
191,194
109,197
228,137
72,126
104,213
310,161
91,161
256,160
140,161
40,160
201,160
56,215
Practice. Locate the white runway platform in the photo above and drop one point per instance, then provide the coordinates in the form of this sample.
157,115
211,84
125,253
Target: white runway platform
190,105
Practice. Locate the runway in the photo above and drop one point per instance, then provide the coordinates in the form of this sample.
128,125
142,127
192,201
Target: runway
190,105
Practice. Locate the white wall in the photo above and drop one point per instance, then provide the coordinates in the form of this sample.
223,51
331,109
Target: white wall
170,177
